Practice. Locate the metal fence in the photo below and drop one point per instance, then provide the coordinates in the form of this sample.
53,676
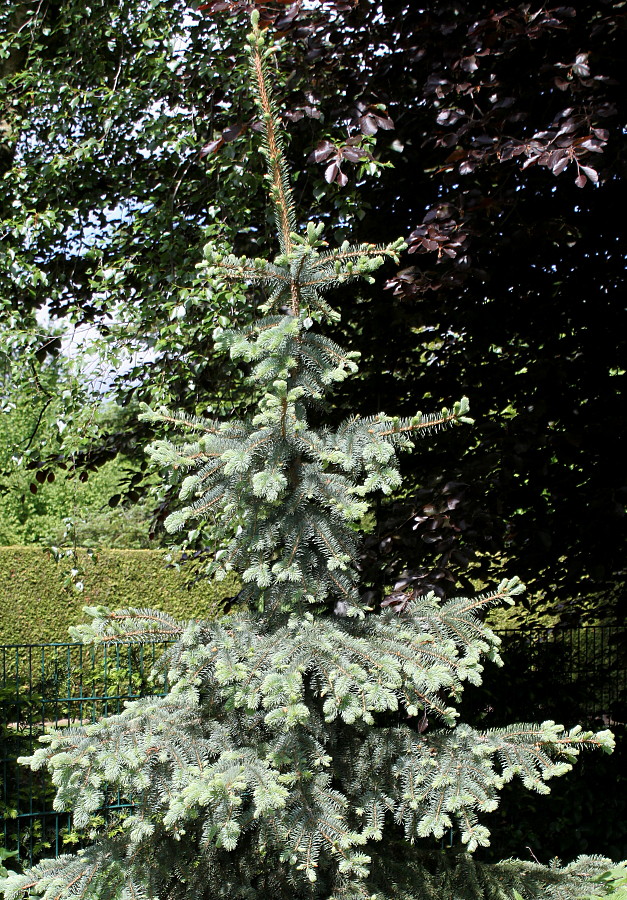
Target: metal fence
572,675
46,686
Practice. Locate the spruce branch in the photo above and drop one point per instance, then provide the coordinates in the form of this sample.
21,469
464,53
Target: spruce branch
125,625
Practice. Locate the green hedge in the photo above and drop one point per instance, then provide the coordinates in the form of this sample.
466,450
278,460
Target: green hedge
37,605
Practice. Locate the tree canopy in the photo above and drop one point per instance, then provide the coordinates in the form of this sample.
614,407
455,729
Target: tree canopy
489,138
61,504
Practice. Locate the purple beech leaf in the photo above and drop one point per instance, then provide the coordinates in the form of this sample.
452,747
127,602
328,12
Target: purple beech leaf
331,172
211,147
469,64
592,174
560,164
229,134
402,582
606,109
448,140
384,122
449,116
368,126
591,145
568,128
323,151
353,154
284,21
580,66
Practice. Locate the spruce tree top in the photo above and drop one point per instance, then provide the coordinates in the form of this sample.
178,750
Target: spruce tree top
285,497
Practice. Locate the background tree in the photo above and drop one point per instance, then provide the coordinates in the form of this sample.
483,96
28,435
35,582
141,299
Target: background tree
126,133
48,412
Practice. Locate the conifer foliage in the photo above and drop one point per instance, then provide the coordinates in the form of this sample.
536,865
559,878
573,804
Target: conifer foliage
308,746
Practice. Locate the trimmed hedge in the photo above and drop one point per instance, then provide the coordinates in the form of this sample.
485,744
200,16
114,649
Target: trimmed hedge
37,605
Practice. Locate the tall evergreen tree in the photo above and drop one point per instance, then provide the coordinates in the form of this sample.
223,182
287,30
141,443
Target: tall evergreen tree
308,745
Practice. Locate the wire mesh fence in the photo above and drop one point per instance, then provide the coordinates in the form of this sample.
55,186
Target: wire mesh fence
594,661
47,686
571,675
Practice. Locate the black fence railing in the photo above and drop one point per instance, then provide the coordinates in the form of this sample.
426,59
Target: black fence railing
572,675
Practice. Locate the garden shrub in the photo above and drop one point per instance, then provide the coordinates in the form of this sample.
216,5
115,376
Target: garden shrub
38,604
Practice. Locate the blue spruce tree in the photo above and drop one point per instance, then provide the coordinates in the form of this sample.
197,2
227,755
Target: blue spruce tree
309,746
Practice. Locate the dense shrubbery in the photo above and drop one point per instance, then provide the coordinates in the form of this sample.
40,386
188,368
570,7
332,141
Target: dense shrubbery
40,601
58,504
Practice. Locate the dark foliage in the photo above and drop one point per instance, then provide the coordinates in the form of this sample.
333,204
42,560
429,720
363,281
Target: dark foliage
508,179
503,127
